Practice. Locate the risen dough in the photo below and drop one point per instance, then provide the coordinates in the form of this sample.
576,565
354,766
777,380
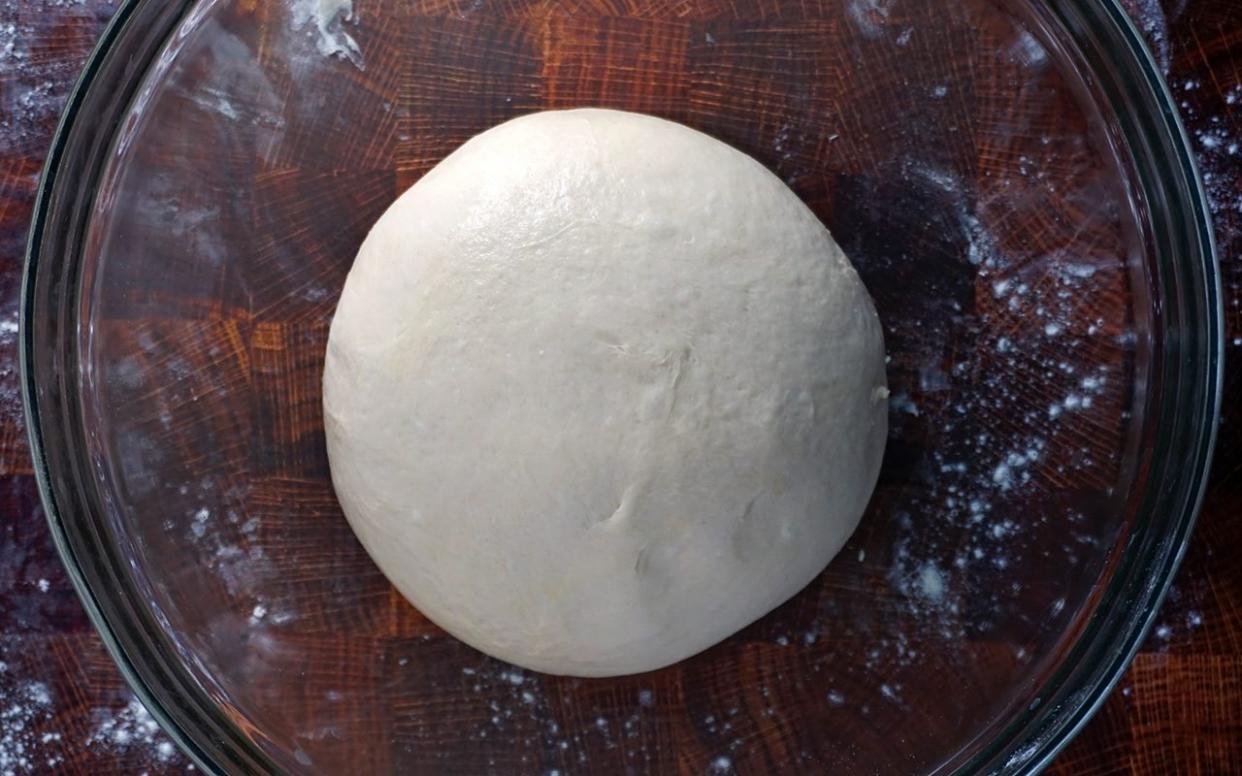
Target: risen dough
601,391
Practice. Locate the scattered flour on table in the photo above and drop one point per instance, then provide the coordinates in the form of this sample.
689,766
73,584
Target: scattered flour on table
30,101
132,727
30,743
9,39
1218,149
25,709
1216,134
1150,18
10,379
1180,616
33,94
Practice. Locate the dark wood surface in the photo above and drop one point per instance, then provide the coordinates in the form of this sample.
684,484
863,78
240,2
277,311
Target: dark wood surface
1179,709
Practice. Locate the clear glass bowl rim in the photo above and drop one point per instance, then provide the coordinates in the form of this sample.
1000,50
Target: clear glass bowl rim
1186,270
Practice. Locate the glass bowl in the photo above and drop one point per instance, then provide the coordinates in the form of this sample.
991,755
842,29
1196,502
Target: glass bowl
1011,180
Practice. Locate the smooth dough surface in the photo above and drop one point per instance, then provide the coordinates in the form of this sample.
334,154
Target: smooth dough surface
601,391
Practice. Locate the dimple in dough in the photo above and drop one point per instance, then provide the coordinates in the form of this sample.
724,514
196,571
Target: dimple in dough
601,391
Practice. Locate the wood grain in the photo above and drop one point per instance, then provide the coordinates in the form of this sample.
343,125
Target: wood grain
1178,710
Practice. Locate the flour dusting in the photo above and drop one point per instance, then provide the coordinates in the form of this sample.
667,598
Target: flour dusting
964,542
1218,146
1150,18
34,91
9,39
31,743
1217,141
131,726
25,708
1028,51
10,380
869,16
326,20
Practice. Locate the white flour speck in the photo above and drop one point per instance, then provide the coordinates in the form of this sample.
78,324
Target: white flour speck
513,677
10,36
1028,51
869,16
931,583
901,402
1002,475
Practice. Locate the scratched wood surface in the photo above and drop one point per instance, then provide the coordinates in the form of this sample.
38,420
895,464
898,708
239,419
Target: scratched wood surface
1177,711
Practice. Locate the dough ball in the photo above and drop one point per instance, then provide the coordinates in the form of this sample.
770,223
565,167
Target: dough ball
601,391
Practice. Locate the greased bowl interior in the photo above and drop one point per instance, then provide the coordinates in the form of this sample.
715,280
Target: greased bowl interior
1006,175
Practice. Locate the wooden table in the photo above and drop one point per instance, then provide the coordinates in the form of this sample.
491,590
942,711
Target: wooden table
65,709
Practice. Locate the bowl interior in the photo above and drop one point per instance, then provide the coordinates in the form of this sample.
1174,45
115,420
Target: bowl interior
952,149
